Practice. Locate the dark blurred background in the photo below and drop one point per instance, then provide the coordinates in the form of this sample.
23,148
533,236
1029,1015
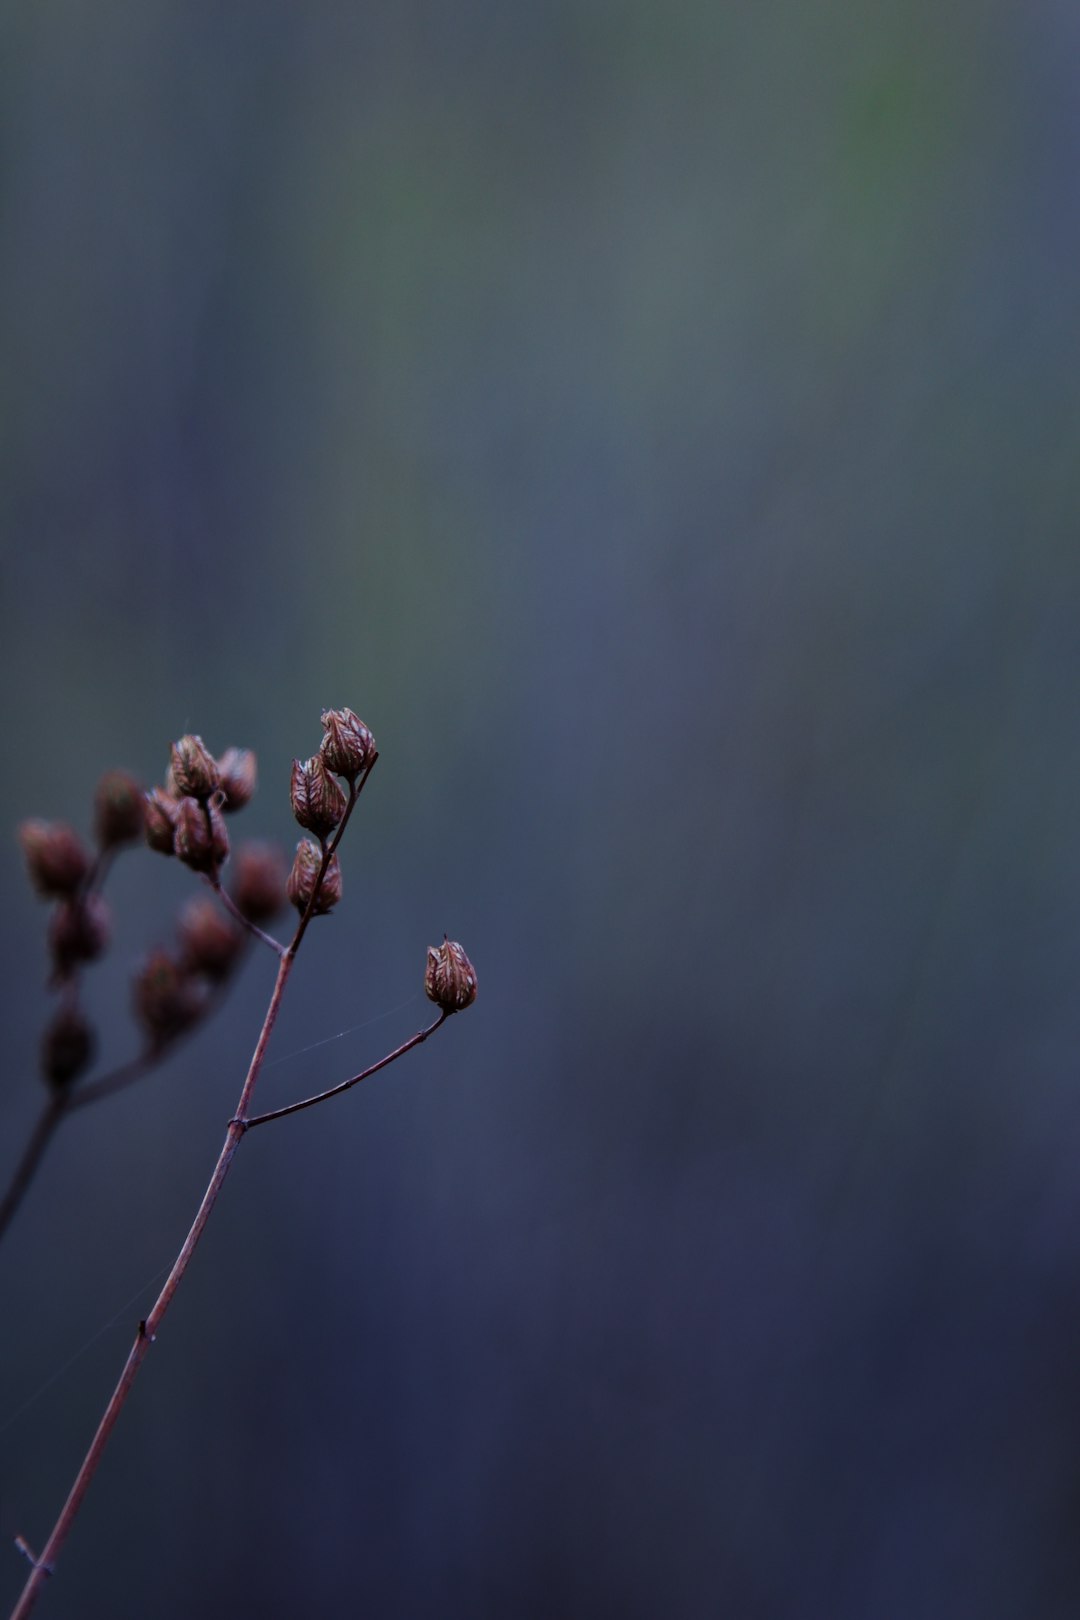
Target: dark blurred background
660,423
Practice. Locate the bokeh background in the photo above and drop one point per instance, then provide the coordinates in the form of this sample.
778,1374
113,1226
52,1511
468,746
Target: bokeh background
660,423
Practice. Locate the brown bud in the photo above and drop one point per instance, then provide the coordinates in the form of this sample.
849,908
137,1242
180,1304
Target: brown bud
211,944
55,857
258,884
159,821
302,878
348,747
317,801
236,777
450,979
118,809
66,1047
167,999
194,770
78,931
202,841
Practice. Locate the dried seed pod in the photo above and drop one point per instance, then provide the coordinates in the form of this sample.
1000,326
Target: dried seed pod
55,857
317,801
237,772
119,810
202,839
305,872
194,769
159,821
348,747
450,978
219,833
167,998
79,931
67,1047
258,884
211,944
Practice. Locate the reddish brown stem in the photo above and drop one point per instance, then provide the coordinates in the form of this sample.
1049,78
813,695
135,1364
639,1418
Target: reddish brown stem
234,911
346,1085
45,1563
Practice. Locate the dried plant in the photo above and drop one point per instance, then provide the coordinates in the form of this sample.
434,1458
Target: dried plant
175,990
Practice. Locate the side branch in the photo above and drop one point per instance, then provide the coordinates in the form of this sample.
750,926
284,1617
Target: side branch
234,911
42,1135
346,1085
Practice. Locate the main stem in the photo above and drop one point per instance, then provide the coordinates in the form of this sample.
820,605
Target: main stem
45,1562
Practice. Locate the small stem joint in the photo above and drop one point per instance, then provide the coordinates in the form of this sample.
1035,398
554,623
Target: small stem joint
28,1553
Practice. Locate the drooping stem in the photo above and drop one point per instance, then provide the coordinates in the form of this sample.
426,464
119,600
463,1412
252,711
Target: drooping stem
346,1085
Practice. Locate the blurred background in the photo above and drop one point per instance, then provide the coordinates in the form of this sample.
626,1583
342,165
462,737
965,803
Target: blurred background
660,424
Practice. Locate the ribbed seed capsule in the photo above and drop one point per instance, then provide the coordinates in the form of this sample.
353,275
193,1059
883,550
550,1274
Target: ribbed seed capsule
55,857
237,773
317,801
450,978
159,827
202,839
79,931
348,747
119,809
194,768
210,943
67,1046
258,881
167,999
305,872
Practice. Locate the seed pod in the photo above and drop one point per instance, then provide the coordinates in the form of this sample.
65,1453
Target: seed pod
258,884
210,943
348,747
118,810
450,978
302,878
159,826
237,773
55,857
79,931
66,1047
317,801
167,999
194,770
202,839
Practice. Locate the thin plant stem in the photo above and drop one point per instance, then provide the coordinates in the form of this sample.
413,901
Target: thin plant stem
45,1562
234,911
346,1085
48,1121
79,1096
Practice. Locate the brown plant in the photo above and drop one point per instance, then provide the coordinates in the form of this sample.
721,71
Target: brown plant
173,992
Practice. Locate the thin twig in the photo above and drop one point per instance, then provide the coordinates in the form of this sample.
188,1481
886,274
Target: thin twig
214,880
346,1085
33,1153
79,1095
